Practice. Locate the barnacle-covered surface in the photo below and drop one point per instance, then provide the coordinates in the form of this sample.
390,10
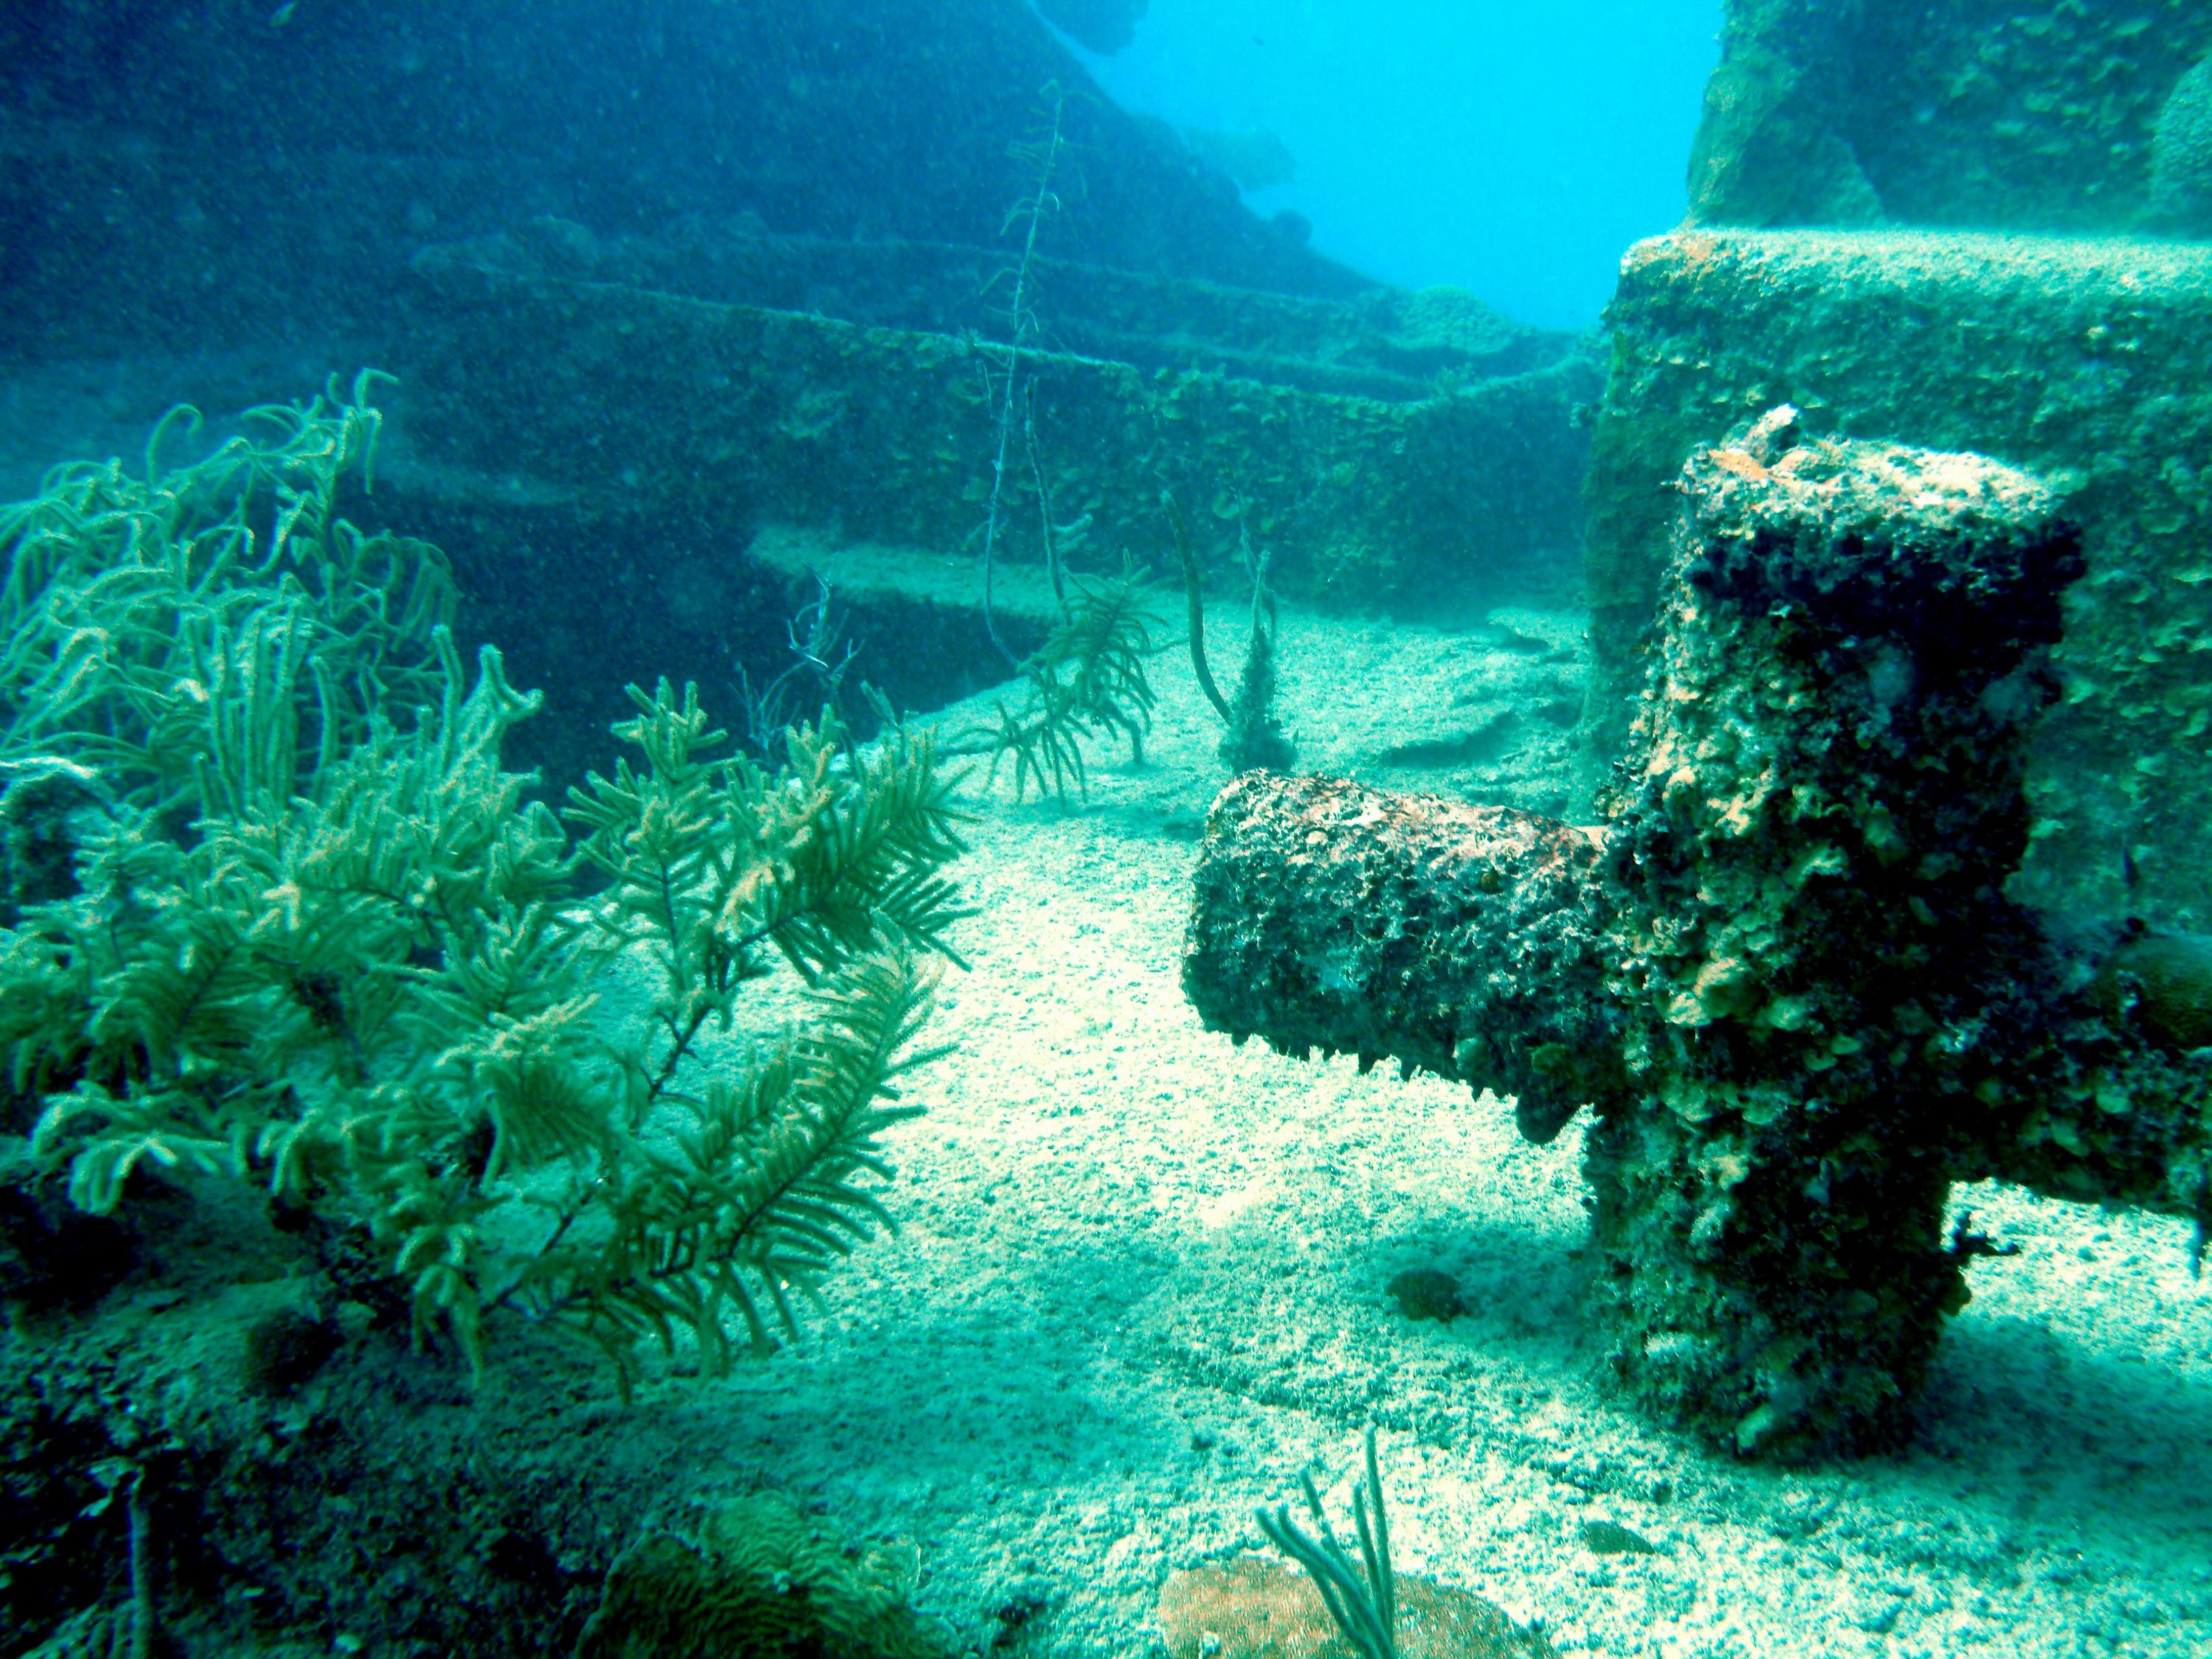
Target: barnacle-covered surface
2084,360
2069,116
1783,971
1820,977
1454,938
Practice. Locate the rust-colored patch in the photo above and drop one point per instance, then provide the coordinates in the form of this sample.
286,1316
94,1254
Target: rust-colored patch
1696,251
1254,1608
1739,463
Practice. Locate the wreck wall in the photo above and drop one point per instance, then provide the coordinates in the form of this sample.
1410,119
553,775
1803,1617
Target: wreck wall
1972,226
2052,115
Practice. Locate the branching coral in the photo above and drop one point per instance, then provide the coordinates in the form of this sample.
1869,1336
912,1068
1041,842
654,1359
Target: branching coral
216,626
1088,676
1255,738
1362,1599
1088,679
319,937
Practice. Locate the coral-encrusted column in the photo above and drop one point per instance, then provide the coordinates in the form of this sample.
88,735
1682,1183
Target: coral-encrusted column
1786,974
1809,942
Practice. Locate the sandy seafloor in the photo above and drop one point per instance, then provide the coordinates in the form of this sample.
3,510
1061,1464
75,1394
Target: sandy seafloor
1140,1283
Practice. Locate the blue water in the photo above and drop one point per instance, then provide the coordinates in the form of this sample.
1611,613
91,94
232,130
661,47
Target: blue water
1510,149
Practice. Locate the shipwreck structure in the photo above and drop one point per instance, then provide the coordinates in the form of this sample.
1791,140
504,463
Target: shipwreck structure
1903,878
1785,971
1977,226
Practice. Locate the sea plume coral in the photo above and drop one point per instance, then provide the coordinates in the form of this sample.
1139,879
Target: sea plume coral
316,935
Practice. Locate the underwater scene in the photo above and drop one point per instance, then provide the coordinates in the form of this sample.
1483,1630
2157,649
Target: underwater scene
1157,828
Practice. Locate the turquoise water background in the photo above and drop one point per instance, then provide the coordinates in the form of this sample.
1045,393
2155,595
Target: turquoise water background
1509,147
